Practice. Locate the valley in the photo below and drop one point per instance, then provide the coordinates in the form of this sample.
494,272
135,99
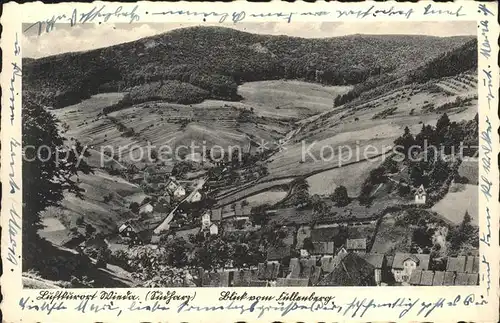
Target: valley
315,139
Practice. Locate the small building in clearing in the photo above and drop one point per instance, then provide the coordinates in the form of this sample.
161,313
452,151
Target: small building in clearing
420,195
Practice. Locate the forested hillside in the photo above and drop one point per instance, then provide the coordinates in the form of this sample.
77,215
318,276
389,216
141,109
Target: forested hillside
449,63
217,59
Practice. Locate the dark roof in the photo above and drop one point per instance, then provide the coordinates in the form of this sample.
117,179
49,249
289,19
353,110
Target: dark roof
469,264
456,264
352,270
278,253
427,278
421,190
473,279
399,259
390,261
438,278
374,259
416,277
216,214
462,279
475,266
247,210
356,244
269,270
72,242
324,234
323,248
449,278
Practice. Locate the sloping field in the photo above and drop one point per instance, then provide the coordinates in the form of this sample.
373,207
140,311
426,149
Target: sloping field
105,216
269,197
369,126
207,124
350,176
289,98
455,203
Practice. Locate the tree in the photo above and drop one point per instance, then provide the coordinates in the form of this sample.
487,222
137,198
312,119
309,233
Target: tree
45,179
134,207
442,125
404,143
318,205
241,255
79,221
89,230
176,252
301,187
463,234
340,196
308,244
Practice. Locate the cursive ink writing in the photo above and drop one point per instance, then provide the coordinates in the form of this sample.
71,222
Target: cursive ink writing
488,275
486,238
16,72
14,229
286,16
12,174
221,15
86,17
47,307
429,10
374,13
486,187
484,10
485,43
487,147
151,308
488,83
85,307
100,13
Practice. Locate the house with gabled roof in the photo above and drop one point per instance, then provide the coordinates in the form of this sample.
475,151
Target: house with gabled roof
356,245
405,263
420,195
378,261
175,189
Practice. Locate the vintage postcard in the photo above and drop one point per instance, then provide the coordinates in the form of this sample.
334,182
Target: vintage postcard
193,162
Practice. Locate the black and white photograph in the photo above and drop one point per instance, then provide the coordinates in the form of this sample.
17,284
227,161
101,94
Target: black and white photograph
325,154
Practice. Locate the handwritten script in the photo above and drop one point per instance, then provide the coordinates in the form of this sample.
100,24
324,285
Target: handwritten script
355,308
97,14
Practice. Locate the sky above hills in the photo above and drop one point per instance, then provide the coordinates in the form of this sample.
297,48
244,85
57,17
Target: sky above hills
91,36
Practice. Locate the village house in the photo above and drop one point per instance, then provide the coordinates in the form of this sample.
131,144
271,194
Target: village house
278,253
462,270
196,197
216,215
136,231
175,189
356,245
420,195
207,225
379,263
405,263
146,208
323,248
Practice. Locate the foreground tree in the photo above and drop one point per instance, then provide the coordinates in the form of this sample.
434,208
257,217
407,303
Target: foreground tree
45,177
340,197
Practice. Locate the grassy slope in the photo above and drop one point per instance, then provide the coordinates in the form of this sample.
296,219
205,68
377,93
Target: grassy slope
105,216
